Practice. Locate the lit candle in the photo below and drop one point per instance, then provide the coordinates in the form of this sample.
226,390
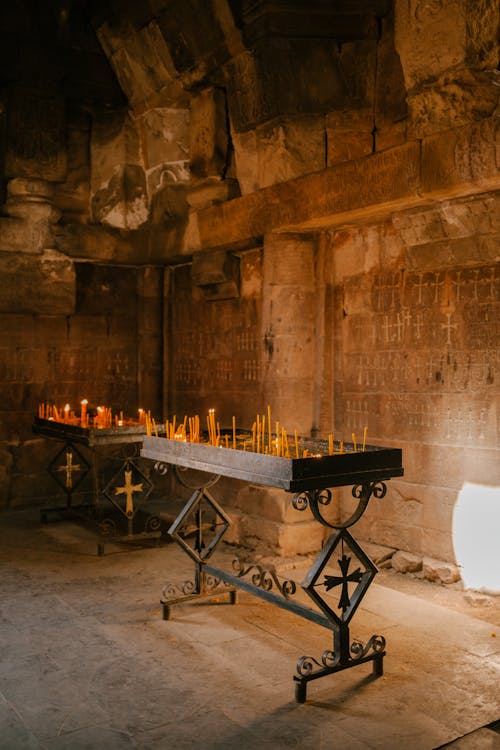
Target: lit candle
142,416
83,414
66,412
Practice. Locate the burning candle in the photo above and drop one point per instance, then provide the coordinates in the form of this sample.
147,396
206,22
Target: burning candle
83,414
66,412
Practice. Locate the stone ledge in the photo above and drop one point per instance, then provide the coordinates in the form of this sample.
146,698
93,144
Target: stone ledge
461,161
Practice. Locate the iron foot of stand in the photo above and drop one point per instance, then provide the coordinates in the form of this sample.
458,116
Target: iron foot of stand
211,596
301,682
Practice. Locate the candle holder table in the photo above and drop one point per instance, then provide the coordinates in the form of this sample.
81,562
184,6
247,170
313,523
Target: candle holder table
339,576
121,518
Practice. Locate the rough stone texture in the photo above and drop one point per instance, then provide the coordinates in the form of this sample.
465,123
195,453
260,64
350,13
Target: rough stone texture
437,570
118,181
140,59
36,129
405,562
279,151
209,138
448,85
29,224
42,285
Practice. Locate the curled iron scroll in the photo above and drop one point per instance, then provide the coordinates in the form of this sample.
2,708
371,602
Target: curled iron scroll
317,498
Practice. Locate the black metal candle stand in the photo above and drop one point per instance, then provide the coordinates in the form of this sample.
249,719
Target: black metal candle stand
117,510
340,575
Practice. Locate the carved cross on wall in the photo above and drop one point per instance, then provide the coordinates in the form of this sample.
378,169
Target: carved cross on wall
128,490
331,581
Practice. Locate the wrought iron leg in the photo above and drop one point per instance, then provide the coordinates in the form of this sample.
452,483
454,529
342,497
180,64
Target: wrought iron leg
198,529
353,584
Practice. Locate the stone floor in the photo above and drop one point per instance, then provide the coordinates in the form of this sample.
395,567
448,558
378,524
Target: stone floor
88,663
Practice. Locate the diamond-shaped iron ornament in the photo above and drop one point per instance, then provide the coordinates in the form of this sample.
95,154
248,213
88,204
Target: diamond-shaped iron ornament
191,518
129,484
68,475
347,603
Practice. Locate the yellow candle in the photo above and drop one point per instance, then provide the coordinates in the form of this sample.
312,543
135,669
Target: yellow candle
269,426
364,439
83,414
354,442
330,444
66,412
234,432
296,444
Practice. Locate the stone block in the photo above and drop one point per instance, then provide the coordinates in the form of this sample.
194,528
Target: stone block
45,284
455,99
406,562
17,330
438,544
209,138
140,59
430,39
349,135
440,571
290,148
268,503
279,538
36,126
461,157
289,261
246,156
165,135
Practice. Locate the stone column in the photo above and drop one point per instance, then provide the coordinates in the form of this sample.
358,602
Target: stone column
290,298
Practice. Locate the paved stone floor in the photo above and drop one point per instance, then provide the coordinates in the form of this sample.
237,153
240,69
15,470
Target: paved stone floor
88,663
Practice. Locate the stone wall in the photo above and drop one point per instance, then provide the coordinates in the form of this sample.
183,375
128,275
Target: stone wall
285,203
416,310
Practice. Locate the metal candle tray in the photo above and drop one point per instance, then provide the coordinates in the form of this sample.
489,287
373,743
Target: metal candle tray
90,436
290,474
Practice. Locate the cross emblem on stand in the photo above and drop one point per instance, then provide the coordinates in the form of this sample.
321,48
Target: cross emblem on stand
331,581
69,467
128,490
68,475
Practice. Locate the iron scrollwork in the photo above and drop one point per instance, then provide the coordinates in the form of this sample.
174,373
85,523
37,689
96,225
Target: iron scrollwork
315,499
330,660
264,578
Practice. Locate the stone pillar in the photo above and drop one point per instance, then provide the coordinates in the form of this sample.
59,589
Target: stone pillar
289,319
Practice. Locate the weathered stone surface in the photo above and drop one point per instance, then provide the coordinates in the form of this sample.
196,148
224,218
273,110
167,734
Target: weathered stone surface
420,30
45,284
209,137
73,195
349,134
140,59
36,133
118,182
165,135
406,562
31,217
440,571
455,99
